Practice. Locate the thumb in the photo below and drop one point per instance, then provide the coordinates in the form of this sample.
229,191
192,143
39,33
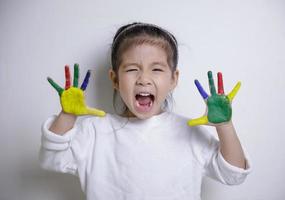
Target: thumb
94,111
198,121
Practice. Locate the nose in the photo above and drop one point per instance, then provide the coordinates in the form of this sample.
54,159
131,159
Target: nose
144,79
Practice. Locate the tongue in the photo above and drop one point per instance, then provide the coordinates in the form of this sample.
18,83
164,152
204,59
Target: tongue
143,100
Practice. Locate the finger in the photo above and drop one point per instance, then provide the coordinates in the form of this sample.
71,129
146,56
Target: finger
55,86
211,83
86,80
201,90
234,91
94,111
75,75
198,121
67,77
220,83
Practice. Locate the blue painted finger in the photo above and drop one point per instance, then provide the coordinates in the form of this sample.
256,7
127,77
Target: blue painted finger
86,80
201,90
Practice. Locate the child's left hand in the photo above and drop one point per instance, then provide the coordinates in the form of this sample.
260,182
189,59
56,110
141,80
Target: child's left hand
219,108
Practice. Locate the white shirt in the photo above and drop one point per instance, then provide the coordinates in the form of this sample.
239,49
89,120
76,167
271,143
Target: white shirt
160,158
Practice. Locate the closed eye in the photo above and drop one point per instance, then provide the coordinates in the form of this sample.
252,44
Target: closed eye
130,70
157,69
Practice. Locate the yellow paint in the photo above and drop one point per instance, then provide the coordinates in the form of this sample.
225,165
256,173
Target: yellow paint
234,91
198,121
94,111
73,101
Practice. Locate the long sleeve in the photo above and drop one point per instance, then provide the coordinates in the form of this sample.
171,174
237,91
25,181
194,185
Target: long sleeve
156,158
214,164
64,153
219,169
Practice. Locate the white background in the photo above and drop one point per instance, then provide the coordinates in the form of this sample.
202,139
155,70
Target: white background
243,39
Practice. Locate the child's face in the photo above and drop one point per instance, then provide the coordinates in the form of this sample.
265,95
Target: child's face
144,69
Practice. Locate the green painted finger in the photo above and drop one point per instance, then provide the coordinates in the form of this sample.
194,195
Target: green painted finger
75,75
55,86
211,83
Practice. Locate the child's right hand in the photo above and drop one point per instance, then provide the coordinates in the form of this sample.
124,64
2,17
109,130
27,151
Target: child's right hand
72,98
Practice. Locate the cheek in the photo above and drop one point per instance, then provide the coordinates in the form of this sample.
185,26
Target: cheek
125,87
164,81
164,87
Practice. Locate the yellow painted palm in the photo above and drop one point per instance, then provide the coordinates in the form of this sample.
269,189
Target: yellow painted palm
72,98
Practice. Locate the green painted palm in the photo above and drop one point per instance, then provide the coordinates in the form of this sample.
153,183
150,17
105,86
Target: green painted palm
219,108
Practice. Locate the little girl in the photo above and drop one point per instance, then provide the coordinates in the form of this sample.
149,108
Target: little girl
146,152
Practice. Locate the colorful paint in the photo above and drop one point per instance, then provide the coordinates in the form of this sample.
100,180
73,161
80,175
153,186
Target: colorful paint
67,77
219,108
86,80
72,98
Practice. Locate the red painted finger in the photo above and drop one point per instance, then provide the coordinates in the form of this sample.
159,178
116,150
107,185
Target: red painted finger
220,83
67,77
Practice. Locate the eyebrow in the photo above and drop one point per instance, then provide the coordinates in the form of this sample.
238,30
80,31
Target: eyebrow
128,64
152,64
159,63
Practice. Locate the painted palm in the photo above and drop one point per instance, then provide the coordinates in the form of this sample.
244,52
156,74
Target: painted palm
72,98
219,108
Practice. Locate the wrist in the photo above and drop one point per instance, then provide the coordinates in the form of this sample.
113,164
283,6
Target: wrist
227,134
67,115
225,130
224,125
63,123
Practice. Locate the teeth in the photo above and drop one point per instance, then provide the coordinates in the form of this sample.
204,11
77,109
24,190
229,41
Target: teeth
144,94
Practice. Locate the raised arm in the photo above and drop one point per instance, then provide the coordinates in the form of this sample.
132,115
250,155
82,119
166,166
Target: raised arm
72,102
218,114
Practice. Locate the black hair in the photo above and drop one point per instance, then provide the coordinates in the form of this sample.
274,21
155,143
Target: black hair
138,33
136,29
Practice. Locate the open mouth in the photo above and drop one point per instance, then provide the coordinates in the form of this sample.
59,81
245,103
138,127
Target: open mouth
144,101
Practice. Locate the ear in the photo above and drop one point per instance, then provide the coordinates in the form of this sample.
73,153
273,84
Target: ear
174,78
114,79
